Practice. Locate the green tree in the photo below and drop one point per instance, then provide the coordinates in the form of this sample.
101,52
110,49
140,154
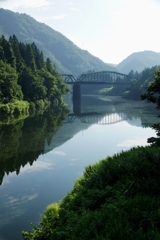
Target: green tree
32,86
48,65
153,95
8,55
25,75
38,56
30,60
9,88
16,51
2,57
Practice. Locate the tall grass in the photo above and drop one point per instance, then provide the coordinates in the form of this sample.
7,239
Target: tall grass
116,198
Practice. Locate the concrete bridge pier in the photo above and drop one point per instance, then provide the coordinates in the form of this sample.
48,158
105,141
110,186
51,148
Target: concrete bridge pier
77,99
77,91
77,107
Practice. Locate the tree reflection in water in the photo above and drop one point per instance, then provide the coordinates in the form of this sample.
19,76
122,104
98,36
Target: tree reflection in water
22,141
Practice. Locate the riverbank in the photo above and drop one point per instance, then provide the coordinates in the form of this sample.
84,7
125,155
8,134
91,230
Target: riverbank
24,108
116,198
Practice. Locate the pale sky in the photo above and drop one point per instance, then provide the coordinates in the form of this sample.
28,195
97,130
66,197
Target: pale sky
109,29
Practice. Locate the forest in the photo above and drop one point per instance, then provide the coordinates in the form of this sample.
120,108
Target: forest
139,82
27,81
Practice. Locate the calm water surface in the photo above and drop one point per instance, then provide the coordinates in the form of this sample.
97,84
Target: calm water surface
96,128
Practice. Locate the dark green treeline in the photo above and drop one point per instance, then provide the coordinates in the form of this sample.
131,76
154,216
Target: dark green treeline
26,76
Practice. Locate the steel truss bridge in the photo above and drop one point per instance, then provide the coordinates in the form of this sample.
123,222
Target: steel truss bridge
94,118
104,77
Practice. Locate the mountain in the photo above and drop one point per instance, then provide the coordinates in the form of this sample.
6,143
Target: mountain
138,61
66,56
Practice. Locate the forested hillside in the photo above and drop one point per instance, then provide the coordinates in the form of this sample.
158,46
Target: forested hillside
26,80
139,82
138,61
63,53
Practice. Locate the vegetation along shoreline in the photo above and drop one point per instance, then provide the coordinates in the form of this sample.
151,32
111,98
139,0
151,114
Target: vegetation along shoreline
27,82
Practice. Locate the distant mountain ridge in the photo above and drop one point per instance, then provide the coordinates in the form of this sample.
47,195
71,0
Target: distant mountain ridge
138,61
67,57
64,54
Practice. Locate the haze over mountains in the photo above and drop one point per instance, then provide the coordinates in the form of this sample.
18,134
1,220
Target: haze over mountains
138,61
67,57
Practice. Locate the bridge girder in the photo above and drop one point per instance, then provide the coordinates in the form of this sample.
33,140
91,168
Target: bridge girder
68,78
104,76
97,77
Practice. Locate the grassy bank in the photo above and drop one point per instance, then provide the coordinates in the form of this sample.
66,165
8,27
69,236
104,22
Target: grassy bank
20,107
116,198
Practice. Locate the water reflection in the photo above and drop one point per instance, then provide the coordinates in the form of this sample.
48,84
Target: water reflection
110,110
55,151
95,118
22,141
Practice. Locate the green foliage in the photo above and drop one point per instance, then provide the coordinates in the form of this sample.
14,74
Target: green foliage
8,55
15,107
133,91
116,198
153,91
138,83
9,88
153,95
24,75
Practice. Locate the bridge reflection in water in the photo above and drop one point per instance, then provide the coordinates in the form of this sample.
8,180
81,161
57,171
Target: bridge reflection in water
95,118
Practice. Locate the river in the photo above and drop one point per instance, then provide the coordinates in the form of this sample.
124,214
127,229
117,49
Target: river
42,156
